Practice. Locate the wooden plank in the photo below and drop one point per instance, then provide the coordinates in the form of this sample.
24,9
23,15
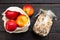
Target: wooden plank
54,36
28,36
29,1
54,7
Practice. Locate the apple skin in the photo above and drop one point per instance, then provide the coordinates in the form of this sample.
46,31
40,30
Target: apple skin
21,20
11,14
28,9
11,25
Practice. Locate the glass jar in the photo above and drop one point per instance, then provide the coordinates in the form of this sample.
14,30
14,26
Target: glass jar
44,22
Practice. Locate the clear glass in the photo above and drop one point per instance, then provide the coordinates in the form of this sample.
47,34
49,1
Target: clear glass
44,22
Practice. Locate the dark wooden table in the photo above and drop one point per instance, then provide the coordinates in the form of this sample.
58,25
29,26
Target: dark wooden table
53,5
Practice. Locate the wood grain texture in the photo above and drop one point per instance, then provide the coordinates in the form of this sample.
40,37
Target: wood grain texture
29,1
54,7
28,36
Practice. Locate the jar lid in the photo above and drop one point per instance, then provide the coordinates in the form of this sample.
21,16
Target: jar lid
50,13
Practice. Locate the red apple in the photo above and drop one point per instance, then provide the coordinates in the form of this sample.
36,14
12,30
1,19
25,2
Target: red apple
28,9
11,25
11,14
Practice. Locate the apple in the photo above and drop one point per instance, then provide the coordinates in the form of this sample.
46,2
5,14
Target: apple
21,20
11,14
28,9
11,25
